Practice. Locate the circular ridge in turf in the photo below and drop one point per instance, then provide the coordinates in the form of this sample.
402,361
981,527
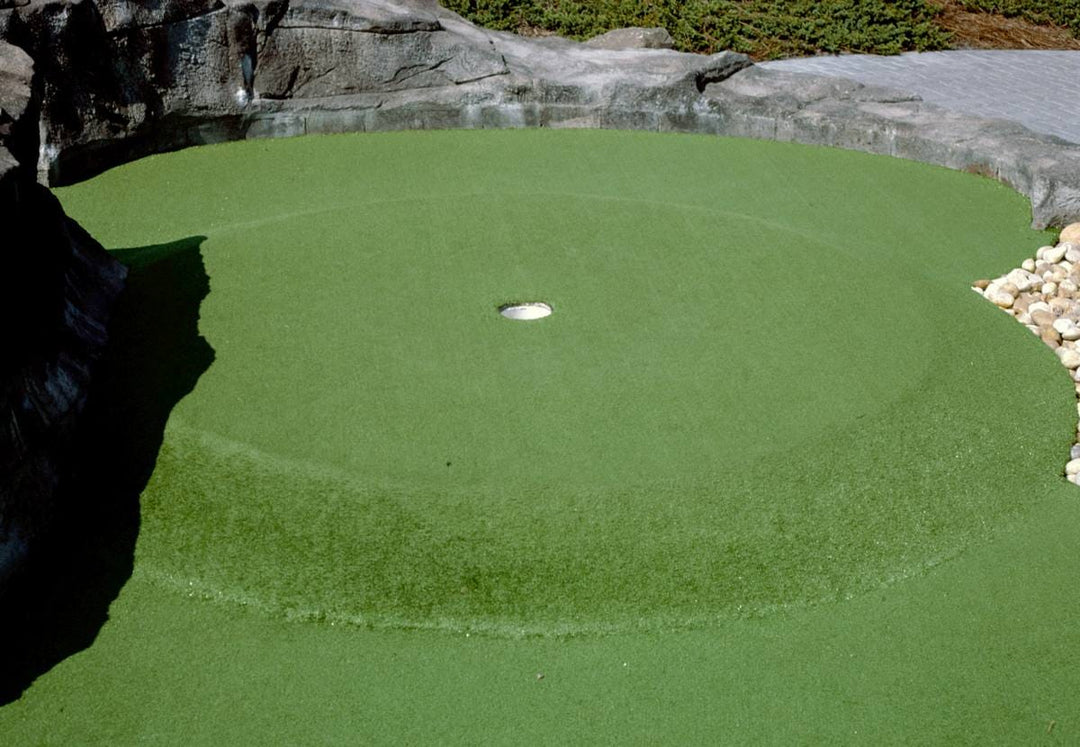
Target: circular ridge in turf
767,383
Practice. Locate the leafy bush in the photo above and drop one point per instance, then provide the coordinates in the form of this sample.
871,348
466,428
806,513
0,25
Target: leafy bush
762,28
1059,12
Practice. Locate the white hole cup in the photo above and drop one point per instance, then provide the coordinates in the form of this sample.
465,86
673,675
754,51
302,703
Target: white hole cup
525,312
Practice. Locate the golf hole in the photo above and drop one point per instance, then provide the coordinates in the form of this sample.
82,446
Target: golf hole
525,312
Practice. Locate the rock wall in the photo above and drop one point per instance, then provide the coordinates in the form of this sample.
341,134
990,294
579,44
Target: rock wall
120,79
56,288
87,84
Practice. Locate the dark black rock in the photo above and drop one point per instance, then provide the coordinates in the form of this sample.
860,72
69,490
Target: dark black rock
57,285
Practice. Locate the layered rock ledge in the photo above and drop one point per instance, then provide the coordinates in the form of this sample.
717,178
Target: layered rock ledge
120,79
88,84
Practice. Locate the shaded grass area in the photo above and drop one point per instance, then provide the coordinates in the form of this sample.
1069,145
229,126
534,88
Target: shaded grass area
765,29
766,382
154,357
984,651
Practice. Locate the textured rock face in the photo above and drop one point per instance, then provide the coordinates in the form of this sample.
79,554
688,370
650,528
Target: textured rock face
122,79
56,288
321,51
633,38
17,125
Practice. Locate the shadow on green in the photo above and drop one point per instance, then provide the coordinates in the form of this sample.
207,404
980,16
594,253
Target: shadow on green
155,356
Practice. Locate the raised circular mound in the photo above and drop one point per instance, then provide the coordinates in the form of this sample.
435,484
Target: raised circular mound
767,382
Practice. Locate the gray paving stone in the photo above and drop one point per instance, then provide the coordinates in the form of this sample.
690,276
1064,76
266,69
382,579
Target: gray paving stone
1040,89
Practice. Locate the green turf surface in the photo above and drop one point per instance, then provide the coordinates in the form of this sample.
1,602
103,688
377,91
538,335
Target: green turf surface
753,392
982,651
767,412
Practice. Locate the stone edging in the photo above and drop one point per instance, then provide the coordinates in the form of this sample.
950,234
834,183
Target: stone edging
1043,294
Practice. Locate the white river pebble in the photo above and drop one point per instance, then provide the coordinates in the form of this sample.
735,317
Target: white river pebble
1051,253
1042,295
1069,357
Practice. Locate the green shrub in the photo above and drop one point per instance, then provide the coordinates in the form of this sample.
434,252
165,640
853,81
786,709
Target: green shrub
762,28
1059,12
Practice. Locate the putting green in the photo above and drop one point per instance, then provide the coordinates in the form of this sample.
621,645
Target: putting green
766,411
765,382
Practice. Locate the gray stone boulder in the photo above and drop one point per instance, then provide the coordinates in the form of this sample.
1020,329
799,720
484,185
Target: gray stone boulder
123,16
633,37
327,49
18,128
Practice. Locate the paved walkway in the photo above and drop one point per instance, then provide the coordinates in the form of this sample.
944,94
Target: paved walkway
1039,89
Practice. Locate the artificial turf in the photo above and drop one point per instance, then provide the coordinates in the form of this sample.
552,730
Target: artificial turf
766,400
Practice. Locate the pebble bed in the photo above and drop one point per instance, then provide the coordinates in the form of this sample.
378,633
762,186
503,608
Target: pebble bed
1043,294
